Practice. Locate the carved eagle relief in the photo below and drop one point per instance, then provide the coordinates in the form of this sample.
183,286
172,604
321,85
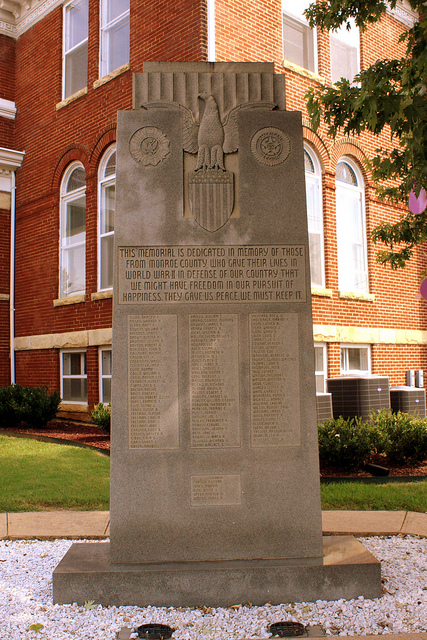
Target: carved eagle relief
213,137
210,185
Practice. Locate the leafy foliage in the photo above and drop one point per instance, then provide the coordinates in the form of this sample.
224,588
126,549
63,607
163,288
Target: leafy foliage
400,436
101,416
347,443
391,95
34,406
344,443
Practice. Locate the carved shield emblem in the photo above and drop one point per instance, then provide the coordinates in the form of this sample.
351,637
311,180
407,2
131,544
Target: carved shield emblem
211,193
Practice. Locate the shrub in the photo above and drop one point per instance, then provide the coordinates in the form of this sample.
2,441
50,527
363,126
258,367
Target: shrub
345,443
101,416
38,406
33,405
400,436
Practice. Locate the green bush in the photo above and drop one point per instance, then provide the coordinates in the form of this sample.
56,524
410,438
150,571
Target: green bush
34,406
402,438
345,443
101,416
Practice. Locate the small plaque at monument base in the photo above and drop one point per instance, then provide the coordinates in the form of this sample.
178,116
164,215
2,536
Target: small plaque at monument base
215,491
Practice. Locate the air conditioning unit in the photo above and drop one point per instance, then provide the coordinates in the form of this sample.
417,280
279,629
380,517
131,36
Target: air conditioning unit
358,395
408,400
324,406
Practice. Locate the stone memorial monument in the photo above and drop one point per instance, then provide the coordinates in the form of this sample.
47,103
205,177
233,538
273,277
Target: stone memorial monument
215,492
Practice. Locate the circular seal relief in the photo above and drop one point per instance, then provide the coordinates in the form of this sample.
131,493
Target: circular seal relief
149,145
270,146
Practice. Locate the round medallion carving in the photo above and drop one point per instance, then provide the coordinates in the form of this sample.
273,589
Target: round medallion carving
270,146
149,146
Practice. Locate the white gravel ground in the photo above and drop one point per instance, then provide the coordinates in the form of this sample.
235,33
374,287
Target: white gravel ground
26,609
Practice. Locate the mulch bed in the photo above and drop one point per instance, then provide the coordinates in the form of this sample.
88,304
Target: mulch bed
90,435
78,432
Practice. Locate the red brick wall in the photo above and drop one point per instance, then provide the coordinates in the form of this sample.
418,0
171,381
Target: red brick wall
82,130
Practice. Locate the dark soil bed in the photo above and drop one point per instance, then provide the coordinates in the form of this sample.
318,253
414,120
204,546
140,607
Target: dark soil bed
78,432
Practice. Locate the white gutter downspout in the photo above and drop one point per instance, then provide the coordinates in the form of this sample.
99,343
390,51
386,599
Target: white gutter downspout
10,161
12,279
211,30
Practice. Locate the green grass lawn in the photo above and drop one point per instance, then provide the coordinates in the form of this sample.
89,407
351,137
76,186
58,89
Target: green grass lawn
37,476
393,496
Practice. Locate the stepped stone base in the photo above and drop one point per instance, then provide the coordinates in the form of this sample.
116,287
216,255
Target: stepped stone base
348,571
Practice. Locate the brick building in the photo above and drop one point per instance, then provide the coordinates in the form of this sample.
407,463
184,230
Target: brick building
65,69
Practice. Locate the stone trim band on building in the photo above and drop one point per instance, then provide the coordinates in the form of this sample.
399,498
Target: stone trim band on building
68,340
321,333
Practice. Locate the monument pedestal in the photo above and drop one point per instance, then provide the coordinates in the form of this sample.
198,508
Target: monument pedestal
215,483
86,573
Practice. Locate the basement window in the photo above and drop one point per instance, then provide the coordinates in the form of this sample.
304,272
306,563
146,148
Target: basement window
355,359
73,377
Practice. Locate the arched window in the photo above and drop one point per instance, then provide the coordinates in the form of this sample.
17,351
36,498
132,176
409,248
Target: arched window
313,185
72,259
106,208
351,228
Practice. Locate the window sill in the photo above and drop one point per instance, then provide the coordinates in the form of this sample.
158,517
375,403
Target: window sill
356,295
72,98
111,75
321,291
102,295
63,302
70,405
291,66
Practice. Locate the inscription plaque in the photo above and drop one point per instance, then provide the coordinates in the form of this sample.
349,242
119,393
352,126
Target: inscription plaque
214,380
274,363
206,274
215,490
153,382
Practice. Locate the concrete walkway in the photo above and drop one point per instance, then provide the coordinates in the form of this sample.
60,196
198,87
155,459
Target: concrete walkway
95,524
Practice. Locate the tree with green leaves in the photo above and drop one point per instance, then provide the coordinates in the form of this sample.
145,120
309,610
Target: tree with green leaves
389,92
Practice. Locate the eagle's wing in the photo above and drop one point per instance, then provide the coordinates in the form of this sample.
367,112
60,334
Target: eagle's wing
190,131
231,138
190,128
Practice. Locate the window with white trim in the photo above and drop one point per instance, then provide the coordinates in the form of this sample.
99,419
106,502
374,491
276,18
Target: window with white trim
72,259
320,366
351,228
345,52
355,358
75,45
299,41
313,186
73,376
115,34
105,375
106,209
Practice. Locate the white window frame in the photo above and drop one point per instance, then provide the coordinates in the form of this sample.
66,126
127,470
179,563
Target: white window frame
103,376
316,180
103,183
346,370
347,278
324,371
343,37
105,29
81,376
68,50
299,23
66,199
